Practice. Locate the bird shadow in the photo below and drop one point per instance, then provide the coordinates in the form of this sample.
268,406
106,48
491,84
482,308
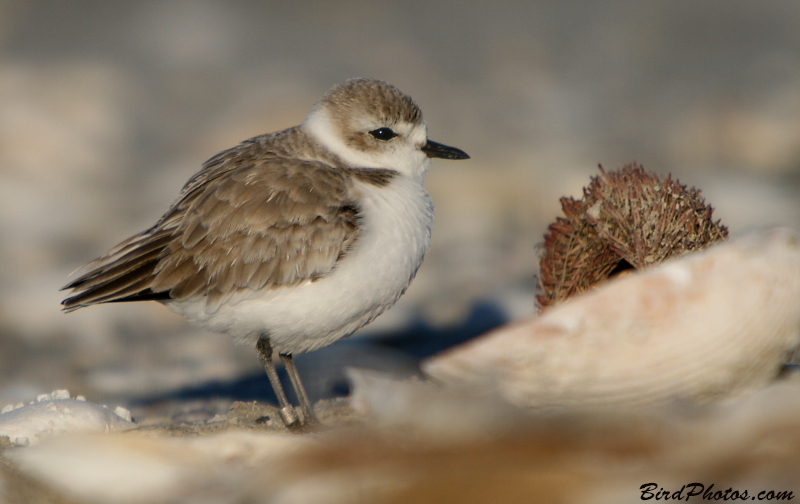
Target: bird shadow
398,353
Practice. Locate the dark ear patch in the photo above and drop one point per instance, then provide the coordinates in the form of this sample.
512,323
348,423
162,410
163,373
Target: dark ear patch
366,141
363,142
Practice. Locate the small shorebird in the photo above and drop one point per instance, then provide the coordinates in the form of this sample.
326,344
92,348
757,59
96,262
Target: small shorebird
290,240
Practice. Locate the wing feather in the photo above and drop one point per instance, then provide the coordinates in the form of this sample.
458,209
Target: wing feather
249,220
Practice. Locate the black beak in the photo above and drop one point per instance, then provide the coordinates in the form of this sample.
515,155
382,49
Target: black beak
433,149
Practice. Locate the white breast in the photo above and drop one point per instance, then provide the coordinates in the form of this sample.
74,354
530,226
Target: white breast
394,234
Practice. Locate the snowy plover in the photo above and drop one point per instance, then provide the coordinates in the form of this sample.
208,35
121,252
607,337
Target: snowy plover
290,240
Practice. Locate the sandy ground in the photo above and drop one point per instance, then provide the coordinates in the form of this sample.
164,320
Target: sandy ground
436,446
106,110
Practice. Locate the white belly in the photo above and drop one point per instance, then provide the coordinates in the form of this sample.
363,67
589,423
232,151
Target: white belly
394,234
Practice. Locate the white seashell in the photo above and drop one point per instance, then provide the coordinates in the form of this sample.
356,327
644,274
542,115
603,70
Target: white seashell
159,469
60,394
122,413
47,418
702,327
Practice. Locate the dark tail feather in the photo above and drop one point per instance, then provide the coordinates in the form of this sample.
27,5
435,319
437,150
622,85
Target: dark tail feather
102,292
127,278
124,264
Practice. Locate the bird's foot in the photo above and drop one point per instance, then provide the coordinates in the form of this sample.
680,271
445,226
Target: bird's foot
289,416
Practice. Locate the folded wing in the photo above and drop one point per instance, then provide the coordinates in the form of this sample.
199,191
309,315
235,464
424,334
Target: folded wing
246,221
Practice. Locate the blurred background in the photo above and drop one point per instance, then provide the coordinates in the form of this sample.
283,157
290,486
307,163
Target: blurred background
107,108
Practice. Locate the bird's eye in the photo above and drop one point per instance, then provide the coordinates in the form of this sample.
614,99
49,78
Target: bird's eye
383,134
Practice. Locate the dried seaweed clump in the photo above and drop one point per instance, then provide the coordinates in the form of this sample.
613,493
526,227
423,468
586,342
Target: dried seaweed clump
626,219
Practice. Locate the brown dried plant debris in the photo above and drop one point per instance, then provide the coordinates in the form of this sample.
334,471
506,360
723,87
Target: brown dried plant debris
627,219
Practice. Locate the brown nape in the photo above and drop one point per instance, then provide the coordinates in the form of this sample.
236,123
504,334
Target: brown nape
628,219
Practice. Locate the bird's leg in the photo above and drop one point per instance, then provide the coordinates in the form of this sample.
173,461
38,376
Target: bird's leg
308,411
287,412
